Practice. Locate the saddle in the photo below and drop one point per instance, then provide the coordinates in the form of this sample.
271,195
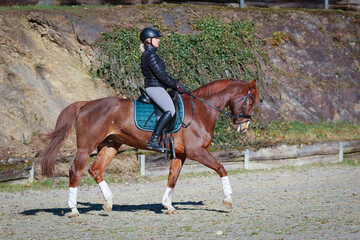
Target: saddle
147,113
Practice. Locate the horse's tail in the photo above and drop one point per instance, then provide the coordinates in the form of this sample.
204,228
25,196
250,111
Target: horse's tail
64,124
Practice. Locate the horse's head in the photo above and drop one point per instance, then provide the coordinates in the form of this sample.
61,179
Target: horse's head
242,105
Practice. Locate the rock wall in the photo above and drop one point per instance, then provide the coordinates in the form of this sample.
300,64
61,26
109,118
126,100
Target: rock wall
45,57
352,5
44,66
319,66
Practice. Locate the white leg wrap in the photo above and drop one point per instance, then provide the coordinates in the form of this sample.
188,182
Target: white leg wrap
166,200
226,186
74,212
106,190
72,202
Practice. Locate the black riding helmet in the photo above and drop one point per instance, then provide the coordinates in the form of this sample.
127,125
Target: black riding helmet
148,32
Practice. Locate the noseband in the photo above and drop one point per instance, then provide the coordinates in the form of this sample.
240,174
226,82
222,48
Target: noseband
228,115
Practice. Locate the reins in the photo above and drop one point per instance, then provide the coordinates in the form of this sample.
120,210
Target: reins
227,114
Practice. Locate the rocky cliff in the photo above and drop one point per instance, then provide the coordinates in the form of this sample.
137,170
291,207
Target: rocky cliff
351,5
313,72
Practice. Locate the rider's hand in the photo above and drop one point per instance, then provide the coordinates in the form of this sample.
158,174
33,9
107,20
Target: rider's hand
181,88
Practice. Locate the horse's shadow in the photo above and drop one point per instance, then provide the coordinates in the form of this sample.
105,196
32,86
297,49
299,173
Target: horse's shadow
86,207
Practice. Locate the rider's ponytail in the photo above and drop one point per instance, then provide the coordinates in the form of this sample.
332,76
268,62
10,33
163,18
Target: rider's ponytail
142,48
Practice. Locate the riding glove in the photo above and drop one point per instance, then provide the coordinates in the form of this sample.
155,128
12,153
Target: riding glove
181,88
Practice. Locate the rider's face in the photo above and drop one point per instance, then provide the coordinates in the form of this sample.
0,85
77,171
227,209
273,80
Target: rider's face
155,41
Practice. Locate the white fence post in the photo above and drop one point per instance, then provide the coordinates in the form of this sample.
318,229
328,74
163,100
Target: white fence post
242,4
246,159
141,159
327,4
31,173
341,151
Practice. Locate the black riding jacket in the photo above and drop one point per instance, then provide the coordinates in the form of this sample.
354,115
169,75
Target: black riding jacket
154,70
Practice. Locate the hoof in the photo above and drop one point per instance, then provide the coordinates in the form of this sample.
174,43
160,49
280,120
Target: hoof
107,206
74,213
228,202
172,211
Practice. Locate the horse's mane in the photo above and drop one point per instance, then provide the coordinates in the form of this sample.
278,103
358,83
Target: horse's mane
213,87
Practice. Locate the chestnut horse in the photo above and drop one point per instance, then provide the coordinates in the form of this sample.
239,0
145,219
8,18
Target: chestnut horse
108,123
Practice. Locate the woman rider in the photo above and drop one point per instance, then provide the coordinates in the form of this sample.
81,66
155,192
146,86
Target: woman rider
156,82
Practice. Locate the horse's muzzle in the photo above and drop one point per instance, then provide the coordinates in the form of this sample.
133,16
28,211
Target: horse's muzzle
242,126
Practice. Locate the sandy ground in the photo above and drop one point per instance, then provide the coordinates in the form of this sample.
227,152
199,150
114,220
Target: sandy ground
298,203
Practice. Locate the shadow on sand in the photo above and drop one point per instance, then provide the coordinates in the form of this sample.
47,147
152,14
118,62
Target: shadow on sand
86,207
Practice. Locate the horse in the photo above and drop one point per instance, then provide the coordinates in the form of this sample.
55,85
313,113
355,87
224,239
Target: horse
107,123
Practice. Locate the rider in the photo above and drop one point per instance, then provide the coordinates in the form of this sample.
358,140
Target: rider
156,82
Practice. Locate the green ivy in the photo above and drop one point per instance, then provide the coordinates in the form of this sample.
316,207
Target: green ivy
120,58
216,50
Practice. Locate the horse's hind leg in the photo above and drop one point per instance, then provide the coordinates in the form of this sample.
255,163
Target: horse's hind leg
76,169
175,168
96,170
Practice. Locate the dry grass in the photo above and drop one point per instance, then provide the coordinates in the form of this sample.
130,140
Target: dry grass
261,135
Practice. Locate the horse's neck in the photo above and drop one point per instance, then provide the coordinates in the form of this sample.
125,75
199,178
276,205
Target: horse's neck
218,99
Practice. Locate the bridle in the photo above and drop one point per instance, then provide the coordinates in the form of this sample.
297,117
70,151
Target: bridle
241,115
227,114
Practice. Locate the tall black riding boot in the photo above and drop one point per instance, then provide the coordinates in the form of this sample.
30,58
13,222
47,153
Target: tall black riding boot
160,125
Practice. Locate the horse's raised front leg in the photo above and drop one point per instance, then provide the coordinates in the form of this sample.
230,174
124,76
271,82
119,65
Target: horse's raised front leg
204,157
76,169
175,168
226,191
96,170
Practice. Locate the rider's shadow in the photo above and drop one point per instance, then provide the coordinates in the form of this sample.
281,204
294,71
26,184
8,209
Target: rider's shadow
86,207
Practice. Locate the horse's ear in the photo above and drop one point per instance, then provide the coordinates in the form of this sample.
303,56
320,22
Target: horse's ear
252,84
